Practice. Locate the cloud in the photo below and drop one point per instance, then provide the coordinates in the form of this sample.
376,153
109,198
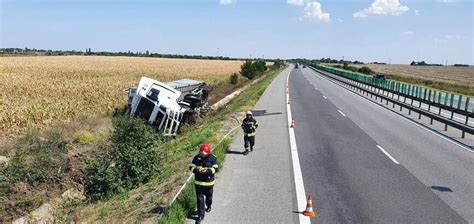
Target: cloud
296,2
313,12
382,7
446,1
407,33
227,2
417,12
449,37
340,20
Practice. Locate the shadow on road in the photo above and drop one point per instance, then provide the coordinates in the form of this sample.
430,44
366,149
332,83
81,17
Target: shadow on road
260,113
442,189
234,152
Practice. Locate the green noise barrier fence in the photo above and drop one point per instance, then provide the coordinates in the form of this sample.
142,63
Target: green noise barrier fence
450,101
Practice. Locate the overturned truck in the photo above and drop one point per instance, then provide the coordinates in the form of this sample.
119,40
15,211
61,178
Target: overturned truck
166,106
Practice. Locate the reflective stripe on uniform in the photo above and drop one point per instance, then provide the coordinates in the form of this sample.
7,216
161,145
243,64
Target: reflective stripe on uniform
215,166
251,134
213,170
202,183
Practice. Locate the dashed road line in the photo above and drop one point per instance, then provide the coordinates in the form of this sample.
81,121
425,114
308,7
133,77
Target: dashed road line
462,146
388,155
341,113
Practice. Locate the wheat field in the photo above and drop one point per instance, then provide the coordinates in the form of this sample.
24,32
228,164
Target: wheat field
36,91
453,75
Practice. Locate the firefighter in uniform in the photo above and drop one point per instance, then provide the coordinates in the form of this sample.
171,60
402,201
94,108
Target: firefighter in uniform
249,125
204,166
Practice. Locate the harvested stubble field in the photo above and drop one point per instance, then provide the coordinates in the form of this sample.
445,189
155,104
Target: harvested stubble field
37,91
454,79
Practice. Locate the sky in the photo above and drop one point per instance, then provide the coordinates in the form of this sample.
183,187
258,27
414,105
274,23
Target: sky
395,31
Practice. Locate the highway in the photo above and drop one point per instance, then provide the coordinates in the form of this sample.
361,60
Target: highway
365,164
361,162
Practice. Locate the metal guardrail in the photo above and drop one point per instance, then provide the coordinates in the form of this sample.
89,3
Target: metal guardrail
384,94
448,101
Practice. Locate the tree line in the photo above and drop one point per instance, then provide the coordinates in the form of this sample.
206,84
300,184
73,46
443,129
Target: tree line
88,51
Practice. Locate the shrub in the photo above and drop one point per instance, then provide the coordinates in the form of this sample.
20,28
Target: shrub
234,78
365,70
260,67
132,160
103,179
37,159
277,64
252,69
247,70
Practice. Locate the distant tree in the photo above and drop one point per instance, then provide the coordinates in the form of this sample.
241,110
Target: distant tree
260,67
365,70
413,63
345,66
247,70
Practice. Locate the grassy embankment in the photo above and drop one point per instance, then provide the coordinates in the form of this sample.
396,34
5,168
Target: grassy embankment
146,202
186,201
46,162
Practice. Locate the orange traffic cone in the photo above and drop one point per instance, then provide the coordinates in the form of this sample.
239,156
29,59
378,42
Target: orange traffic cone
293,125
309,208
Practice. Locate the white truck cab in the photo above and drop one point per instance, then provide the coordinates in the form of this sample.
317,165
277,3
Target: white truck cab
164,106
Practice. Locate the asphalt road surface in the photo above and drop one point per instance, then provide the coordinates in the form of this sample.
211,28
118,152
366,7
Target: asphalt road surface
361,162
259,187
365,164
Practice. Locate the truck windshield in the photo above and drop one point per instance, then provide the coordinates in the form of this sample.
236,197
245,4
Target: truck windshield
144,109
153,94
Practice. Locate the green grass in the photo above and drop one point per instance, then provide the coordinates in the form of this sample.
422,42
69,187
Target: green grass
186,202
144,202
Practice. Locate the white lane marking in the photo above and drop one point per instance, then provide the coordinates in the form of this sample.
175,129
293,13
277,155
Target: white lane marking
341,113
413,122
386,153
324,97
299,185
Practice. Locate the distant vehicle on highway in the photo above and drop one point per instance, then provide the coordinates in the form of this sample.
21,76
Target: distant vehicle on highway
304,66
296,65
378,77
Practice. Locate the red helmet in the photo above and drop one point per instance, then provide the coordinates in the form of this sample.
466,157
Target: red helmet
205,148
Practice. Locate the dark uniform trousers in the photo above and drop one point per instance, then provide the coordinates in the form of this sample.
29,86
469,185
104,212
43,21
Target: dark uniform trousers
204,197
249,141
204,182
249,125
